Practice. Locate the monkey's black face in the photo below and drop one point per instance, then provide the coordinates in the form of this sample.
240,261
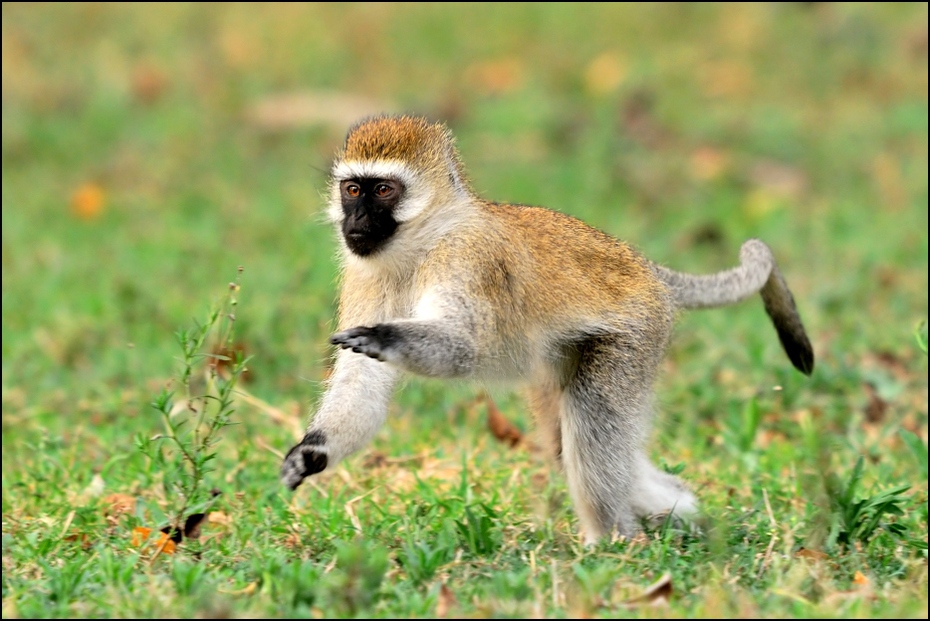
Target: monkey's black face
368,206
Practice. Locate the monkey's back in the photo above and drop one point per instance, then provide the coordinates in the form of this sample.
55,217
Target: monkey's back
591,274
546,281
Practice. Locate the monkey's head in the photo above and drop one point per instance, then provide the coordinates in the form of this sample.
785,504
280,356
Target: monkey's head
395,180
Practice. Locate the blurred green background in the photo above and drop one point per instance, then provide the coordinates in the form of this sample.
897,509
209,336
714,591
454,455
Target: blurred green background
150,150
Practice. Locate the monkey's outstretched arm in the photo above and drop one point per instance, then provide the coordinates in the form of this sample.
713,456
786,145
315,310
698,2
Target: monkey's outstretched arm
434,348
440,340
351,412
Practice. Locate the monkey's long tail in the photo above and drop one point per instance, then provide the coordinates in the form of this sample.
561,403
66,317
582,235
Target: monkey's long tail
757,273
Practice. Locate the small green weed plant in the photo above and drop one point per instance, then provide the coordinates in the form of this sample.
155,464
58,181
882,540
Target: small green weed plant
195,408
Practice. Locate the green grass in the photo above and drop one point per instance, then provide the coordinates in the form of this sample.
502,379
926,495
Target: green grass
140,170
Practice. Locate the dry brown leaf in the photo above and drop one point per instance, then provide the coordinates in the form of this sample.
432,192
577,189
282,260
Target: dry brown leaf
118,504
292,541
375,459
889,360
877,407
657,594
148,83
637,115
246,590
218,517
708,163
500,427
139,535
862,588
163,545
82,538
225,360
814,555
605,73
87,201
496,76
445,602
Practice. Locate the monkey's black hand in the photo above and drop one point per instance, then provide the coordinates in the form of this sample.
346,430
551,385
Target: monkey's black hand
373,342
308,457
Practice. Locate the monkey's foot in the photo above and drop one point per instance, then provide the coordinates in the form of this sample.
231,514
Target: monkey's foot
373,342
308,457
658,521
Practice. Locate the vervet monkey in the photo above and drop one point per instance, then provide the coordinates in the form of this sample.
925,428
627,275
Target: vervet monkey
439,282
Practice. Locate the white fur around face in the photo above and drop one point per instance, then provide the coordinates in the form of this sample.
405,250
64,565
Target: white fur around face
426,214
416,196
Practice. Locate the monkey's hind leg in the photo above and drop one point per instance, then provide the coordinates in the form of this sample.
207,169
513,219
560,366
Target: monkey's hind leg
658,495
605,413
545,400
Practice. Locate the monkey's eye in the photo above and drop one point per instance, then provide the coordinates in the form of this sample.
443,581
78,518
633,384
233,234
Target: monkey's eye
352,190
383,190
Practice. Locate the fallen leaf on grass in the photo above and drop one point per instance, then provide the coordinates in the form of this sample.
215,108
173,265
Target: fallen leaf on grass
500,427
87,201
708,163
293,540
169,537
375,459
116,505
445,602
862,589
246,590
657,594
83,539
225,360
877,407
605,73
218,517
162,545
496,77
148,83
637,116
813,555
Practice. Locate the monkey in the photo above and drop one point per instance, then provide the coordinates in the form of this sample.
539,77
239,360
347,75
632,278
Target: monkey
439,282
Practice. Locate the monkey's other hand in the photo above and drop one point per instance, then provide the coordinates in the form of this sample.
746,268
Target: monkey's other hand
373,342
308,457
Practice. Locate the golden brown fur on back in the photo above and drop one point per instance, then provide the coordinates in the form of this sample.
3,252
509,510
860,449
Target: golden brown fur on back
597,275
514,251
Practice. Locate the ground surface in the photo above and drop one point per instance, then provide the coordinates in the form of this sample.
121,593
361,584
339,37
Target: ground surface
148,151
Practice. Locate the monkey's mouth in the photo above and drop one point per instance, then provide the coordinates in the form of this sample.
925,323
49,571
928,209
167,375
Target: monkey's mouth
363,243
368,236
